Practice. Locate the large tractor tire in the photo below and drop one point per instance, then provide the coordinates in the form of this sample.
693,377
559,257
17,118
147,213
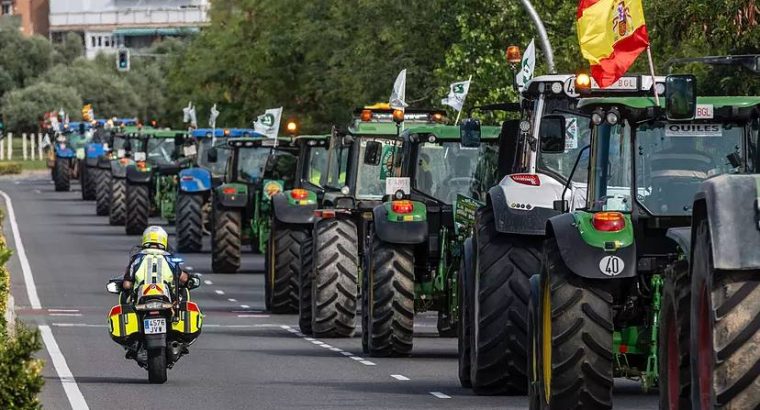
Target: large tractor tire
725,332
88,182
574,339
465,282
62,174
390,293
157,366
283,267
226,240
102,191
138,208
189,222
500,305
117,209
673,344
334,289
304,284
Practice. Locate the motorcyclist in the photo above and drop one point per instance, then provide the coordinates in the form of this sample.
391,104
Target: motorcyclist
155,241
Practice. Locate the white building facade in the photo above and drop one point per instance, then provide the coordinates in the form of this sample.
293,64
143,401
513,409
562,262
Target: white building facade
107,25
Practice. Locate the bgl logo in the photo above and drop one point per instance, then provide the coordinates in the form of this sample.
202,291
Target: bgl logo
267,120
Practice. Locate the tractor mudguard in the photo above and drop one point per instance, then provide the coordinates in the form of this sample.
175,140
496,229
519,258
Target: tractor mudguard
585,260
118,170
64,152
287,212
194,180
135,176
91,162
682,237
731,204
232,195
94,151
168,169
104,163
518,221
397,231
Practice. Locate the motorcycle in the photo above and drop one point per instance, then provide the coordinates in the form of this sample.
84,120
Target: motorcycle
155,321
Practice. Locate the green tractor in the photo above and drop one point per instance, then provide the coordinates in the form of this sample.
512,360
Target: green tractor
111,185
416,236
292,220
257,169
614,280
353,188
151,182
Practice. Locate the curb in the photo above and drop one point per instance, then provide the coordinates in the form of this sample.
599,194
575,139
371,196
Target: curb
10,316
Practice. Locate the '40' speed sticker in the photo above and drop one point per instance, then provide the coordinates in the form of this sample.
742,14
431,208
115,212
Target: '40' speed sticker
611,265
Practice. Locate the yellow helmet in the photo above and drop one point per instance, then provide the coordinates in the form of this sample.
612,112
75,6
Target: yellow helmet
155,236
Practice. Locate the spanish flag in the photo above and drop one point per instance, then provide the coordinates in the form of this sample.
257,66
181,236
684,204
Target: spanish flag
611,33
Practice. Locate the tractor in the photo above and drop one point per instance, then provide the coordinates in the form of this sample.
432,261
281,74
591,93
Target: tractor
151,182
111,183
615,264
505,248
94,149
290,226
353,188
196,183
68,149
257,168
416,234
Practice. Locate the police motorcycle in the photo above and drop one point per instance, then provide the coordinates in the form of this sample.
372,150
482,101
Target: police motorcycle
155,321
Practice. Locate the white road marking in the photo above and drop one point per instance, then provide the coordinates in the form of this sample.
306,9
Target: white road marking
336,349
64,373
219,292
244,306
208,282
79,325
317,342
259,316
37,191
399,377
346,353
65,314
440,395
63,310
205,325
366,362
31,290
357,358
232,300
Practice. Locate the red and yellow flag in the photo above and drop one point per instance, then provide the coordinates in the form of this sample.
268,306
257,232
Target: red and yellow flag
612,33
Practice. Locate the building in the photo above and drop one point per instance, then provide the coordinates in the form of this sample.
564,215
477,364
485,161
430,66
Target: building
107,25
31,15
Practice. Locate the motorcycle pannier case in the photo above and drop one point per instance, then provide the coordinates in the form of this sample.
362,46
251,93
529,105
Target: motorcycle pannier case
190,322
123,324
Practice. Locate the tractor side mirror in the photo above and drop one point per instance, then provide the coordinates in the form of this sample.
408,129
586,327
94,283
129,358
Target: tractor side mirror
551,134
212,155
372,153
114,286
680,97
469,132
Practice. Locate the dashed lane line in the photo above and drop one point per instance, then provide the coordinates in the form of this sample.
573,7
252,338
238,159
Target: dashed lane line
232,300
440,395
320,343
208,282
219,292
245,306
400,377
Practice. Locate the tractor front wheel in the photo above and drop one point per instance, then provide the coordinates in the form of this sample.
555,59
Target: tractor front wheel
304,284
118,201
87,177
673,343
283,267
62,174
102,179
189,217
465,282
334,289
226,240
138,208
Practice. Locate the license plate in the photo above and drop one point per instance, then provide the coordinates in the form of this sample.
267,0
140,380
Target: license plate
190,150
154,326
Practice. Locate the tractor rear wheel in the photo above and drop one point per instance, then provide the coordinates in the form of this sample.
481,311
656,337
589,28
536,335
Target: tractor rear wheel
226,240
88,182
304,284
390,281
334,289
138,208
673,343
62,174
283,269
118,201
102,179
189,226
574,339
499,307
725,332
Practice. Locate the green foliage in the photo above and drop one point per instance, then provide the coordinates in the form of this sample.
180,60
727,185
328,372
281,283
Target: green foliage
24,108
9,168
20,373
22,59
70,48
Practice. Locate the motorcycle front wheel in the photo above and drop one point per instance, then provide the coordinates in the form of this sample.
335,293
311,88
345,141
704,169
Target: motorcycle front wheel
157,365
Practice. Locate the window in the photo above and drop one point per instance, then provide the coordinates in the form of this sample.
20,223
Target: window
107,42
92,41
100,41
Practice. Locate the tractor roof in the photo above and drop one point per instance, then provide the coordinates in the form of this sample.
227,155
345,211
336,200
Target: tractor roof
219,132
451,132
565,84
247,142
378,119
648,102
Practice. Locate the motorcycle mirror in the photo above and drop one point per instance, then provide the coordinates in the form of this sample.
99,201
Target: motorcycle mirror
193,283
114,286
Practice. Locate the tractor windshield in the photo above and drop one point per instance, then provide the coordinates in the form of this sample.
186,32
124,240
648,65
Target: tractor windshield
216,168
120,142
444,171
160,150
577,136
674,158
251,163
370,179
317,165
281,165
610,179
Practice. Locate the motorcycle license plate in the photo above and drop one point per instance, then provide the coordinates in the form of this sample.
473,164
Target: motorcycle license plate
154,326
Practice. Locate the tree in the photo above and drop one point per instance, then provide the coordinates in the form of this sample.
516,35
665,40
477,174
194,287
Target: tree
24,108
70,48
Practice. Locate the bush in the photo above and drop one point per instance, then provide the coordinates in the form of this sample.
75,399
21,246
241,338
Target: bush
23,108
9,168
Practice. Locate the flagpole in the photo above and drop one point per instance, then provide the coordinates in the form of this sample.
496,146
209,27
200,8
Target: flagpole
469,83
654,82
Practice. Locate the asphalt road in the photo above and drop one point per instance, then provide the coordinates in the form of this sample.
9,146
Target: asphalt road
245,358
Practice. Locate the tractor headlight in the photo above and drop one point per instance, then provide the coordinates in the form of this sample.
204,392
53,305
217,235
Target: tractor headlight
612,117
597,118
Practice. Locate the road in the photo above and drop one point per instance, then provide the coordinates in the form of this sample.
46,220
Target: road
245,358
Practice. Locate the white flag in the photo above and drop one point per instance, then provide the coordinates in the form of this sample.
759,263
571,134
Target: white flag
527,66
213,116
269,123
188,115
457,93
398,96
